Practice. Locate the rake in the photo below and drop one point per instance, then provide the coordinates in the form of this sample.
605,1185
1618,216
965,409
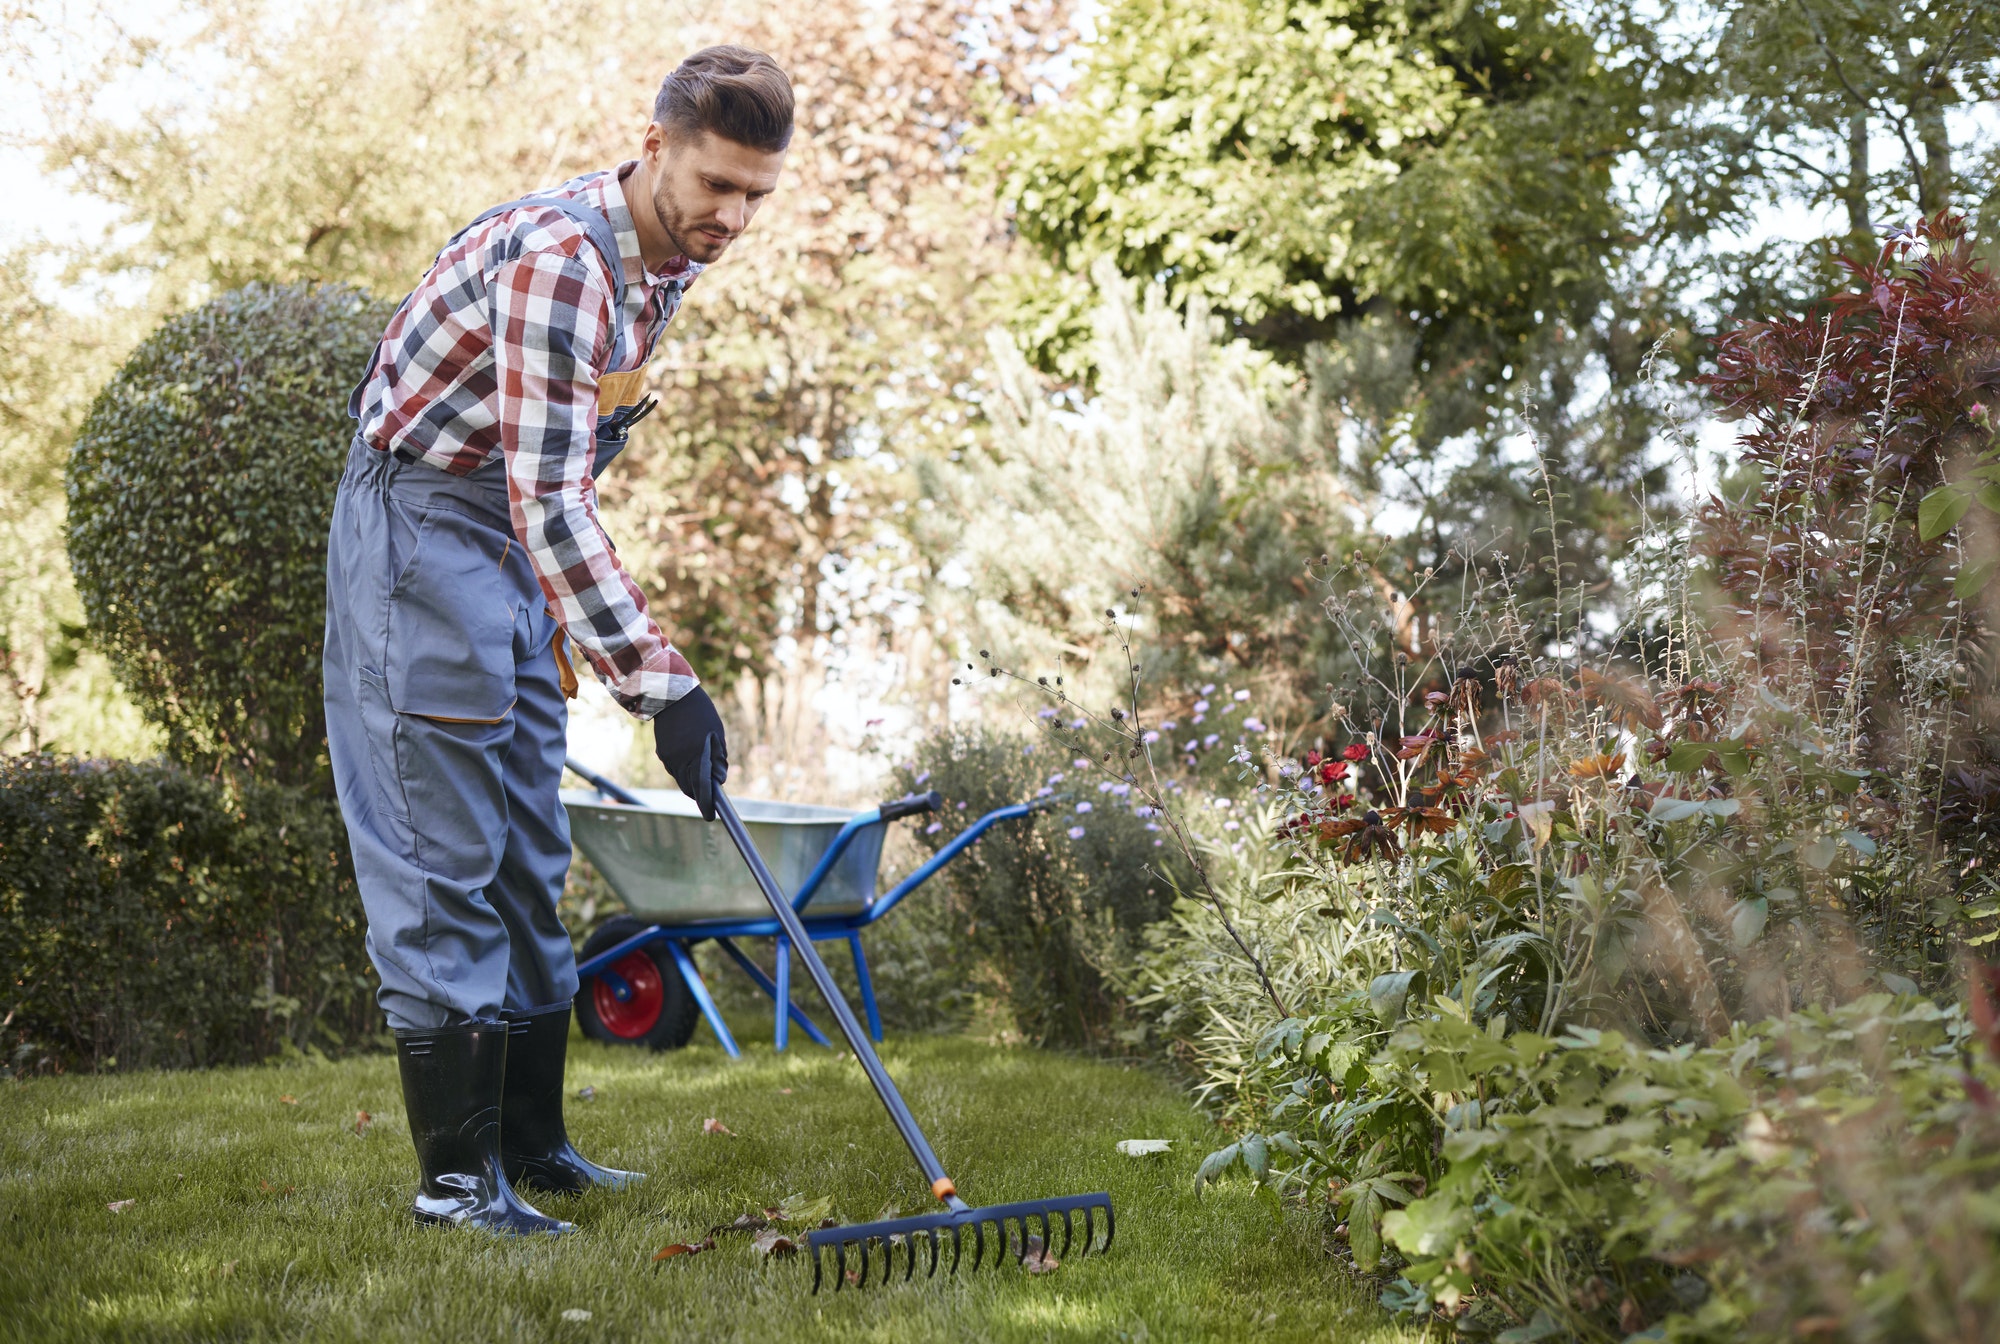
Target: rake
1010,1222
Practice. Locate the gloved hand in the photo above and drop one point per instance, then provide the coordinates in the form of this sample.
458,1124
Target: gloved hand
688,739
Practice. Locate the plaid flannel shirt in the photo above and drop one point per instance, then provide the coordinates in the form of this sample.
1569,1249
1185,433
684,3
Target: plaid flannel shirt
499,349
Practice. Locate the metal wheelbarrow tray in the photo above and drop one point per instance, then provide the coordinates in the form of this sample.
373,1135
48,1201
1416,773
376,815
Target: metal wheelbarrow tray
683,882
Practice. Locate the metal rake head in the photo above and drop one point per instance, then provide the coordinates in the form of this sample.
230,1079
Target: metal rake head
864,1244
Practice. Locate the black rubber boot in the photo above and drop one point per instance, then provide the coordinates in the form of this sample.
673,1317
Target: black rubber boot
452,1081
533,1142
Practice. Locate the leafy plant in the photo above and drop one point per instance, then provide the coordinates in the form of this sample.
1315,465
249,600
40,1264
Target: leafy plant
200,490
150,918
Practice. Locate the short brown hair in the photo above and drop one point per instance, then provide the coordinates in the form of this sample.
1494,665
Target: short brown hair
738,93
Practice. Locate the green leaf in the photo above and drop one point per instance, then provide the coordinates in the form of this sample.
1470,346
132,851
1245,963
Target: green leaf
1940,511
1859,841
1988,497
1216,1163
1747,920
1819,853
1542,1326
1429,1226
1675,809
1972,580
1389,994
1689,757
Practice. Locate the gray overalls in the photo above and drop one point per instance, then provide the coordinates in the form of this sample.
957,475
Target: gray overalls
446,724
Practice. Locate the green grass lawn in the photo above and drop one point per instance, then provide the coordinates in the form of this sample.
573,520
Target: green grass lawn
254,1217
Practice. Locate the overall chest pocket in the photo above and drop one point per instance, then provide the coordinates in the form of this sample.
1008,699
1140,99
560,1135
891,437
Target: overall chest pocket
452,614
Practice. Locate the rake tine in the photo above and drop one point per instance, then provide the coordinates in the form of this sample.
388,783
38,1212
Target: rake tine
955,1249
910,1245
932,1233
1022,1258
1048,1236
815,1251
1110,1228
888,1259
978,1243
861,1279
1089,1229
839,1265
1068,1228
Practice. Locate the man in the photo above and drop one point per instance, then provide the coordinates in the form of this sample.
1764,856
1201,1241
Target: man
465,550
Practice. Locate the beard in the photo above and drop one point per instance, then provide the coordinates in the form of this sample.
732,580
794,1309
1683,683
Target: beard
686,232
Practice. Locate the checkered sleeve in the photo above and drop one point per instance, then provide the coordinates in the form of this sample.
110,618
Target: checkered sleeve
551,327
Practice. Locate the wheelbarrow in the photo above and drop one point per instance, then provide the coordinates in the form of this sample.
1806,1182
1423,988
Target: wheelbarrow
683,884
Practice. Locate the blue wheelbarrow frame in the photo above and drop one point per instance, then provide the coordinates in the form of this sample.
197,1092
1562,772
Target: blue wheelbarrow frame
681,937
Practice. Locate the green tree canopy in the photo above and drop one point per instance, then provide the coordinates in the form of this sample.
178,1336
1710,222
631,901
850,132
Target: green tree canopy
1301,162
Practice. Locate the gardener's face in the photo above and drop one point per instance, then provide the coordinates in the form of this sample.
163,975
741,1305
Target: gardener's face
706,189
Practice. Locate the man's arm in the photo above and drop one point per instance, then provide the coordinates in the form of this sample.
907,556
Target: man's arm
550,315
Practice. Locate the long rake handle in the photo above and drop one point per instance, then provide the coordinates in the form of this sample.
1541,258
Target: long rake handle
857,1039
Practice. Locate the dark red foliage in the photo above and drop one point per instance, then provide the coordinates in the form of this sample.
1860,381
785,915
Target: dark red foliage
1864,403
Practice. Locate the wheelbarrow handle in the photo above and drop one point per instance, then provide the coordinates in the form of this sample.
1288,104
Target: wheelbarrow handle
912,805
602,785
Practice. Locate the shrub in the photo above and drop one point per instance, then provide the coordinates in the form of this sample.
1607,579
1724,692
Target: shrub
1041,906
151,918
200,490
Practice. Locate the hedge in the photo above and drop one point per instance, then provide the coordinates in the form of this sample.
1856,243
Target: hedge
150,917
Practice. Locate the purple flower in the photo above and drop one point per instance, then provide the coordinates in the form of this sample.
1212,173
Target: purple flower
1149,736
1231,826
1085,807
924,776
1056,778
1078,723
1242,695
1253,725
1211,739
1208,689
1201,706
1045,713
934,828
1080,764
1076,832
1168,725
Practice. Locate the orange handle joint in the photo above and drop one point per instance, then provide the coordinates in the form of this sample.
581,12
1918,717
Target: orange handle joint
943,1188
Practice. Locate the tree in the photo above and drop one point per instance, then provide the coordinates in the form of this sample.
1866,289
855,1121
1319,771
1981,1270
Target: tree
344,143
200,491
1851,111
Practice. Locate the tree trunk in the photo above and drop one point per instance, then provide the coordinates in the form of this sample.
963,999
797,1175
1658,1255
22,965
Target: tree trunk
1854,193
1935,193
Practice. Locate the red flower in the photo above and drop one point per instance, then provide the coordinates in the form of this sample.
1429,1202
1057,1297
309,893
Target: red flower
1332,772
1312,759
1354,751
1342,803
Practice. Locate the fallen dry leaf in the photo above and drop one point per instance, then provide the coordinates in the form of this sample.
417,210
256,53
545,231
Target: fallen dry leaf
120,1205
228,1268
272,1189
715,1126
289,1099
361,1122
1038,1260
575,1314
745,1222
773,1242
686,1248
586,1092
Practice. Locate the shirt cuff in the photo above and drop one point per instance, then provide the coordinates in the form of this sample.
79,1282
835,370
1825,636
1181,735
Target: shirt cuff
665,678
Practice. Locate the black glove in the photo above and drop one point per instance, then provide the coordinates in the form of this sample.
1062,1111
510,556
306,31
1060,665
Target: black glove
688,739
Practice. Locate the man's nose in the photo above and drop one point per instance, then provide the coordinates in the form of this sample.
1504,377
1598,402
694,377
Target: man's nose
735,215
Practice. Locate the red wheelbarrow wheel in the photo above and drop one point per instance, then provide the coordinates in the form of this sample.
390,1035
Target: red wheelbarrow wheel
660,1014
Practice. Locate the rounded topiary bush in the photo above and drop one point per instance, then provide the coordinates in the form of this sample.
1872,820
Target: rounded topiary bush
200,490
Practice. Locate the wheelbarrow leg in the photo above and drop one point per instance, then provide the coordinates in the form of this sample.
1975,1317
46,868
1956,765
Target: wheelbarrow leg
782,1030
867,988
763,982
692,978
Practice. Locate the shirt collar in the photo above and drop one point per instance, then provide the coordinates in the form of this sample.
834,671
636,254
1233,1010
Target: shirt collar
679,268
